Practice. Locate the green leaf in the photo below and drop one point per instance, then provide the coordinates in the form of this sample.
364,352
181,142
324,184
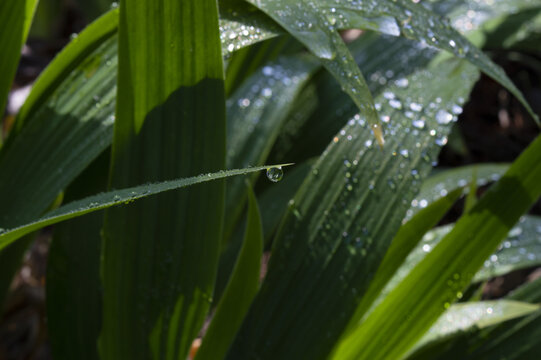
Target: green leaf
461,317
59,131
308,24
256,112
115,197
445,181
515,339
403,243
15,19
73,283
530,292
240,291
409,310
323,109
343,218
160,255
471,197
276,198
521,249
246,61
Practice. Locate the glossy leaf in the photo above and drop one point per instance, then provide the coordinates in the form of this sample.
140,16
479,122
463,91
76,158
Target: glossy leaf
520,249
461,317
308,24
445,181
438,280
256,113
240,290
327,242
114,197
405,240
160,255
515,339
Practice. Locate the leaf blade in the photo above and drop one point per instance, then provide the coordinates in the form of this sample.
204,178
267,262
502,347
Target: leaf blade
240,290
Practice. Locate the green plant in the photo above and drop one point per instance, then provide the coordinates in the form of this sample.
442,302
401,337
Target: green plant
349,276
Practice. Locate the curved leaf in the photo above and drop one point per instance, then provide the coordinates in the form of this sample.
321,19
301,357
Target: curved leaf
461,317
445,181
256,113
240,290
73,284
354,195
114,197
15,20
405,240
409,310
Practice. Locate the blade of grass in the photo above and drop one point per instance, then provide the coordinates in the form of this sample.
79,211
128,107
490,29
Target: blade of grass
516,339
437,280
73,285
405,240
256,113
307,24
240,290
15,19
115,197
160,255
58,132
464,316
343,218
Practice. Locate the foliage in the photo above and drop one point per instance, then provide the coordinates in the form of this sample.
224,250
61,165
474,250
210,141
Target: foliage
141,114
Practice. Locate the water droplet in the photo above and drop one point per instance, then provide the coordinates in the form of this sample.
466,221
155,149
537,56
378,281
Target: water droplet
116,198
268,71
416,106
404,153
443,117
419,124
515,232
402,82
395,104
426,248
275,174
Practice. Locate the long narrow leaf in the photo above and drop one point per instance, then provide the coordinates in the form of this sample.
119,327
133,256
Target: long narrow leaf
114,197
15,20
73,285
160,255
409,310
240,291
405,240
343,218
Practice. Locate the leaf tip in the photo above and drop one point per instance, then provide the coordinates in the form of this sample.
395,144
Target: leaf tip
376,129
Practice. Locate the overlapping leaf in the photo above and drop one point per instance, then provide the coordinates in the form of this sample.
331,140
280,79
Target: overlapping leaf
327,243
15,19
240,291
114,197
443,274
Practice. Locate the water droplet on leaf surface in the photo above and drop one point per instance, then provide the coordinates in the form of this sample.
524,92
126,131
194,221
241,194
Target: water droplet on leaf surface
275,174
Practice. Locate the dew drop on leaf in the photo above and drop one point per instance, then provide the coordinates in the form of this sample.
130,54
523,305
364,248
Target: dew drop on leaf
275,174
